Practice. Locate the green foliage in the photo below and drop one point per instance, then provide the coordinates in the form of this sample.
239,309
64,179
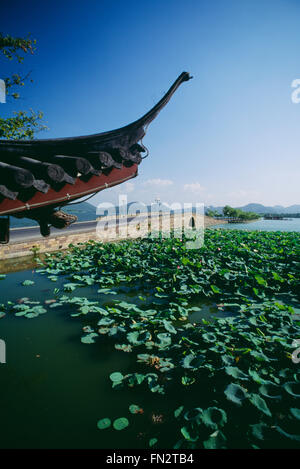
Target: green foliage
228,381
120,423
103,423
27,283
212,213
237,213
22,125
10,46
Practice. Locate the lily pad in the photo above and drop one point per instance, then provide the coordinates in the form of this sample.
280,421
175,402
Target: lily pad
235,393
116,377
292,388
178,411
104,423
236,373
89,338
153,442
189,434
27,283
194,415
260,403
214,417
295,413
217,440
270,390
120,423
135,409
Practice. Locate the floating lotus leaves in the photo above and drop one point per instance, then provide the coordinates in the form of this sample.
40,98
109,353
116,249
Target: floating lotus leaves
228,359
193,362
236,373
292,388
138,338
169,327
152,442
235,393
89,338
187,380
295,412
287,435
270,390
194,415
116,377
260,280
209,337
164,340
120,423
104,423
214,417
251,348
189,434
123,347
256,377
106,322
260,403
178,411
135,409
116,331
217,440
259,356
71,286
31,315
27,283
259,430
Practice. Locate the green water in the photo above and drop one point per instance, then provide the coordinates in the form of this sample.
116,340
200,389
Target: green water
54,389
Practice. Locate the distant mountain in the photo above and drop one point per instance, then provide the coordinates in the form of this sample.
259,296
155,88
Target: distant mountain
292,209
259,208
84,211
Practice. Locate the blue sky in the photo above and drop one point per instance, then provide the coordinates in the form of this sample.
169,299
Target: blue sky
229,136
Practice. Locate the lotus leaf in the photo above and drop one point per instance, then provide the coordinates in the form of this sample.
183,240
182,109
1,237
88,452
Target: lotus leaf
214,417
104,423
120,423
235,393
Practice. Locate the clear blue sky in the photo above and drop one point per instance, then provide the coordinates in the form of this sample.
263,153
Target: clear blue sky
229,136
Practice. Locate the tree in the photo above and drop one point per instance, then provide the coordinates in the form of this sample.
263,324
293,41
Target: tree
237,213
229,211
22,125
212,213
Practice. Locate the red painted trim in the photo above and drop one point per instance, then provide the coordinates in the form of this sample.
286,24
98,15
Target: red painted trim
69,191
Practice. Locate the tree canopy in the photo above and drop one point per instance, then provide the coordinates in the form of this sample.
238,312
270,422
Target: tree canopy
237,213
22,124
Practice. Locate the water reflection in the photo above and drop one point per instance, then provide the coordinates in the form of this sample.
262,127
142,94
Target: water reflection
209,312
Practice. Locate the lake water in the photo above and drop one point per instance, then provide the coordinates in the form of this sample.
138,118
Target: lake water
54,388
291,224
